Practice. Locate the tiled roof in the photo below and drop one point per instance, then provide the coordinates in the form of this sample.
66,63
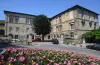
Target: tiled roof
74,7
18,13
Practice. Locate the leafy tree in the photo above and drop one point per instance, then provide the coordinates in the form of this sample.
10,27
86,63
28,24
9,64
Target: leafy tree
42,25
93,35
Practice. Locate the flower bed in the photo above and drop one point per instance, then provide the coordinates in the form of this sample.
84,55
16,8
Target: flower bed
27,56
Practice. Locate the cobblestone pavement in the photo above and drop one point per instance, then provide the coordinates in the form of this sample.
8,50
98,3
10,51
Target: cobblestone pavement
48,45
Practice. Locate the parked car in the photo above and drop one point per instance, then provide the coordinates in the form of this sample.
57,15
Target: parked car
90,46
1,41
36,40
55,41
95,46
15,40
4,41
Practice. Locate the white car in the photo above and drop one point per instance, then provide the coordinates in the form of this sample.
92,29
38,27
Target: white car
15,40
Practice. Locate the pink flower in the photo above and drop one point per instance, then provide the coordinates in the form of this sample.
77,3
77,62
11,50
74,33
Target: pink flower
14,60
64,62
14,50
79,63
22,58
8,49
17,54
56,64
33,63
2,57
10,60
89,60
36,63
68,63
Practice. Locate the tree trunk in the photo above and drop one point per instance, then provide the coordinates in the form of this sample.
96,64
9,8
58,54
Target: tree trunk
42,37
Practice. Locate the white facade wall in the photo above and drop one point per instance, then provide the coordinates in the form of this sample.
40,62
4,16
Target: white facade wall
25,29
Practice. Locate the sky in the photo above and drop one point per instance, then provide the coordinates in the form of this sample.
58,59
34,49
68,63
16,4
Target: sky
46,7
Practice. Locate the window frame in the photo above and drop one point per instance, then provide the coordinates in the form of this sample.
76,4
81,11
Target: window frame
10,18
16,19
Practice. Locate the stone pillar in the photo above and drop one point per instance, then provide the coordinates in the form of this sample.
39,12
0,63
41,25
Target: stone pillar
83,41
30,38
61,40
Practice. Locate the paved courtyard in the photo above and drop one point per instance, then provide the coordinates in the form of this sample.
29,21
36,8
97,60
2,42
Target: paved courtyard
48,45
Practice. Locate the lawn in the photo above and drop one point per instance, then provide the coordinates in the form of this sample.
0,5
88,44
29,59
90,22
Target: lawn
28,56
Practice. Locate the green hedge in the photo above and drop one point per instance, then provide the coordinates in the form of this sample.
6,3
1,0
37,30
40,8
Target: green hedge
92,36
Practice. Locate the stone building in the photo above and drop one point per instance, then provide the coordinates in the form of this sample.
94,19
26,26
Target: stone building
73,22
2,27
19,25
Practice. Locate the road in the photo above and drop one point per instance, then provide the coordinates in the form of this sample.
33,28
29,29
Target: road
58,47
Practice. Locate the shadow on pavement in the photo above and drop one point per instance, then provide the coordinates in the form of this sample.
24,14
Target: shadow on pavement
10,45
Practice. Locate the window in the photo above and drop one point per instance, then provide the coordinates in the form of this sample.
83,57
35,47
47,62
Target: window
56,28
27,36
72,34
10,18
90,23
17,29
95,25
71,25
81,11
54,36
16,19
51,29
27,29
60,27
57,20
57,36
49,37
32,36
95,17
2,24
83,23
31,21
16,36
27,20
11,35
10,29
60,19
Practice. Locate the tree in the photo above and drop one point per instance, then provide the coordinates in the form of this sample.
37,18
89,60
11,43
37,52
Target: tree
93,35
42,25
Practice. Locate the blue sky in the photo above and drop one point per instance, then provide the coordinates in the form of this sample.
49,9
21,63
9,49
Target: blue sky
47,7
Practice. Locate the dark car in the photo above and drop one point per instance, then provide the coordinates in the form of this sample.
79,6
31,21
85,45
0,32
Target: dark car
97,47
90,46
5,41
55,41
